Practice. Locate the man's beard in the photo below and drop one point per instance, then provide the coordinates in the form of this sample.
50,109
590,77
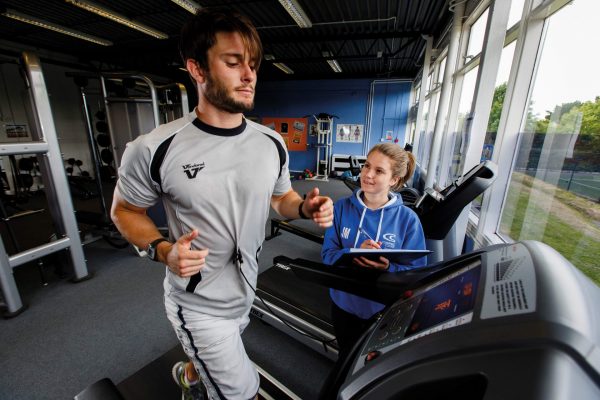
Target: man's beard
216,94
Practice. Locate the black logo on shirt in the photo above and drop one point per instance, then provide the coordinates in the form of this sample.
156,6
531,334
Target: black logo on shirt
191,170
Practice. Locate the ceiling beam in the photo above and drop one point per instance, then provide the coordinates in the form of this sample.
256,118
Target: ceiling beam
340,37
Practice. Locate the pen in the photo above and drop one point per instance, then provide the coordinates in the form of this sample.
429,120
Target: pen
361,230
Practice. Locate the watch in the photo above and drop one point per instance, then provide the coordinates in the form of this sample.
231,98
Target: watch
151,252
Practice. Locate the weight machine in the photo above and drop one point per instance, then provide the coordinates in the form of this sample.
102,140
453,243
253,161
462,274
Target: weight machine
45,146
134,104
324,142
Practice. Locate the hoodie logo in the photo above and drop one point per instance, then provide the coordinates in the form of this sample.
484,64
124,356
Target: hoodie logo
345,232
389,240
191,170
389,237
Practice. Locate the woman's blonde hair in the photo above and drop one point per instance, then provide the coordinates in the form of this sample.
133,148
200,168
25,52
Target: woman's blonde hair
403,162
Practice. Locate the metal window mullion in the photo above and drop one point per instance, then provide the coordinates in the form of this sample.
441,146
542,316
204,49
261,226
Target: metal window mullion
424,75
483,95
411,101
445,95
486,81
516,101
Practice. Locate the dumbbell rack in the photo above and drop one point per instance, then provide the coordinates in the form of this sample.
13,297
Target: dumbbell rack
45,142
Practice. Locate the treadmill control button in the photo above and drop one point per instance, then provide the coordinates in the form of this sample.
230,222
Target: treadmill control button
372,355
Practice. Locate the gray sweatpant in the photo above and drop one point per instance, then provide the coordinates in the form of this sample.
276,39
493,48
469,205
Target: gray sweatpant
215,347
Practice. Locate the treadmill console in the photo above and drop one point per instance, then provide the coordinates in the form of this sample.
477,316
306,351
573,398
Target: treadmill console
511,321
442,305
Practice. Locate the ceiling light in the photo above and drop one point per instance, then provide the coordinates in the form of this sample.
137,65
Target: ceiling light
107,13
189,5
269,57
296,12
334,65
284,68
332,62
54,27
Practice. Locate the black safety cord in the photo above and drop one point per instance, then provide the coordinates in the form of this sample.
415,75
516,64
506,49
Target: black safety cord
240,261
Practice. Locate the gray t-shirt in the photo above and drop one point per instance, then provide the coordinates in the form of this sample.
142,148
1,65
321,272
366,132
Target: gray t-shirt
219,181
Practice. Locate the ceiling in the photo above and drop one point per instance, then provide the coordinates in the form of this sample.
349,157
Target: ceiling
373,39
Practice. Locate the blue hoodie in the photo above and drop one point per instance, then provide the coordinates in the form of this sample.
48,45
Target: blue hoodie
393,224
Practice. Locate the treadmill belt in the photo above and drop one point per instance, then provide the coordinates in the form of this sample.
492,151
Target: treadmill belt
305,299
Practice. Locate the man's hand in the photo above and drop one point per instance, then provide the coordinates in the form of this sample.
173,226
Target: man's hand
318,208
182,260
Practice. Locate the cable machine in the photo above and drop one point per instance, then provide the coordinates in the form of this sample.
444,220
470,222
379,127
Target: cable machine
135,104
45,146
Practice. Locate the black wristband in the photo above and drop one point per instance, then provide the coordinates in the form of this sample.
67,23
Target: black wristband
302,215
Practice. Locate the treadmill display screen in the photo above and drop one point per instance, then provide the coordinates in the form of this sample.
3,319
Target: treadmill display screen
452,297
443,304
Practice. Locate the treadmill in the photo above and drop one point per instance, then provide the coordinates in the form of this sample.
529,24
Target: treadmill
301,308
510,321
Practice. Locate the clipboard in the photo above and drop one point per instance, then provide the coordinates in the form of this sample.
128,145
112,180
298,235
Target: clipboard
398,256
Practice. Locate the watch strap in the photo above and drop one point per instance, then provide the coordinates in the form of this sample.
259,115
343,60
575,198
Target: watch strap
302,215
153,245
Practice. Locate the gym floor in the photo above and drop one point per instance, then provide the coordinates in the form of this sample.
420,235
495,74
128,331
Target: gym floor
113,325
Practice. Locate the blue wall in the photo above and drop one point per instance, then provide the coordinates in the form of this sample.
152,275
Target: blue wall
390,112
348,99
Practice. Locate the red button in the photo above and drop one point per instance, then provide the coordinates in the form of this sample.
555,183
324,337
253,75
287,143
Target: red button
372,355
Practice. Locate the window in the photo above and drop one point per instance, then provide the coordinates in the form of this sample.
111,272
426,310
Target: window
495,112
554,188
516,10
476,35
459,138
424,144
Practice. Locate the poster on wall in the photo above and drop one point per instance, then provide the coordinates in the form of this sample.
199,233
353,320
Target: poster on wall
349,133
16,130
292,130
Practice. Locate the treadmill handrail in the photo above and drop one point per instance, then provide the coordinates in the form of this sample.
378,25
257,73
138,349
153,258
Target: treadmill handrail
438,211
377,285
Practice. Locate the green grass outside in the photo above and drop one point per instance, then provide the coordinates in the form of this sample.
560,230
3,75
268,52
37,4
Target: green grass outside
577,245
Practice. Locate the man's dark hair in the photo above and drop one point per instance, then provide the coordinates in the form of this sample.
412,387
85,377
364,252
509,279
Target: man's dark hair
199,34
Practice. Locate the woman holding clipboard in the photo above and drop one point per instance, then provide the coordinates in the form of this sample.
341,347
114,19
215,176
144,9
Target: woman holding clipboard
372,218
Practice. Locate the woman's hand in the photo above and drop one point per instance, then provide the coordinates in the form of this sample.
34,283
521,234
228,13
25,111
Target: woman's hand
370,244
383,262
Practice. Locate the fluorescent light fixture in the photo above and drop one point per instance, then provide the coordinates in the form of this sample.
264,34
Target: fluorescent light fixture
334,65
332,62
107,13
284,68
189,5
54,27
296,12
